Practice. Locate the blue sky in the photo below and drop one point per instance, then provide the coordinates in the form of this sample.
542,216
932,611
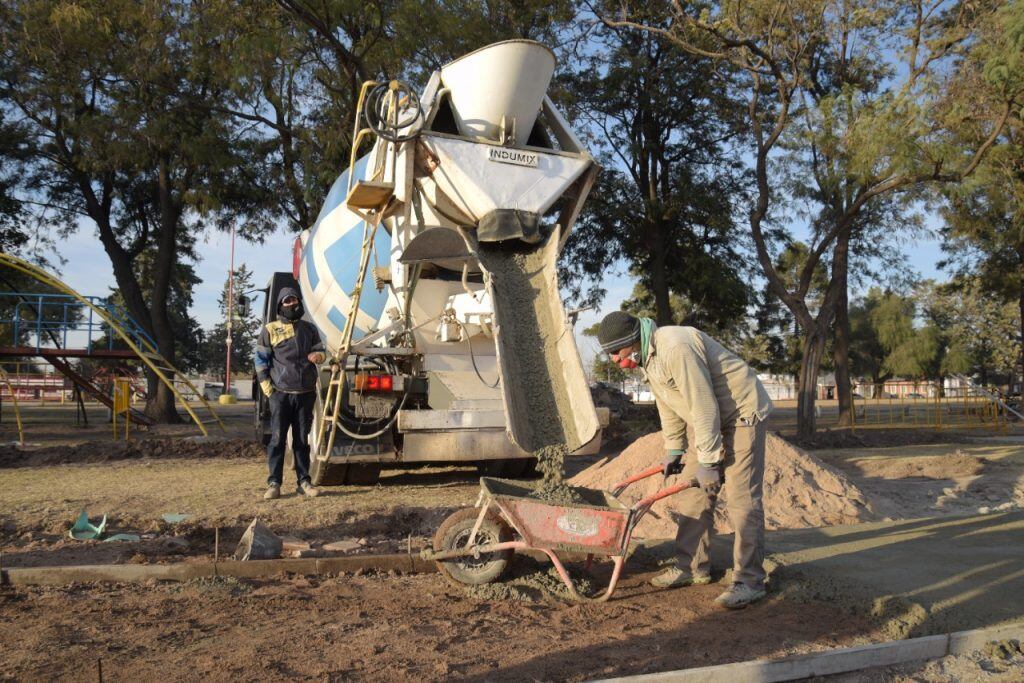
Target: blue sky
89,271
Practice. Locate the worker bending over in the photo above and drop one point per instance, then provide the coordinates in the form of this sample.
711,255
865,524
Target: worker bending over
287,356
698,383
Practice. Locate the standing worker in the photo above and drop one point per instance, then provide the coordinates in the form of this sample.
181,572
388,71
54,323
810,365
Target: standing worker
698,383
287,356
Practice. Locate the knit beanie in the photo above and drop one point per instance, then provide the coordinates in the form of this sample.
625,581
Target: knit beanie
618,330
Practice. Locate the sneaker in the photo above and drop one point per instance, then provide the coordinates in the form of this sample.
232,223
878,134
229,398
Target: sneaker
273,492
674,577
308,489
739,595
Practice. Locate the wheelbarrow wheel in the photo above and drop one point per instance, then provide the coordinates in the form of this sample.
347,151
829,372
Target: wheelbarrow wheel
454,535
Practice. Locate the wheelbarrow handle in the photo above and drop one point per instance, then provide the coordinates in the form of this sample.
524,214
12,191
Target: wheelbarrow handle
664,493
650,472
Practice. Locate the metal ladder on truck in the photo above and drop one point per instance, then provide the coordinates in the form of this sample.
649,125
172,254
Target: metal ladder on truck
371,200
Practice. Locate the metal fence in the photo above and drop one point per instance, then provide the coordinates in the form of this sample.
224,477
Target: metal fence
960,408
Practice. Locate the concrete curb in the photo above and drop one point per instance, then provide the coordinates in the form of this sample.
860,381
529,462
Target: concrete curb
184,571
840,660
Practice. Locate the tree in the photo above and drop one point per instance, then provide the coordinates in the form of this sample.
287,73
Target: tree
118,100
663,203
869,83
880,322
984,225
977,331
244,330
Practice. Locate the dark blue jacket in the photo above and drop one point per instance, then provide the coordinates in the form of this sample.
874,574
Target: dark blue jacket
282,350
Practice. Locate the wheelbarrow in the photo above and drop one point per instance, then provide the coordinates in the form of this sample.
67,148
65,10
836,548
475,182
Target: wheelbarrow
475,545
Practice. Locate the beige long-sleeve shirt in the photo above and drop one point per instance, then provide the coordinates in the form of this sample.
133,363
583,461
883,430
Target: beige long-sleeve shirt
697,381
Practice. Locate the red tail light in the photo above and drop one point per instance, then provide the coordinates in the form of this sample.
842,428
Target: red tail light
366,381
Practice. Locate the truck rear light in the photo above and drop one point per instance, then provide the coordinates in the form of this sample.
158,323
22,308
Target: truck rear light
366,381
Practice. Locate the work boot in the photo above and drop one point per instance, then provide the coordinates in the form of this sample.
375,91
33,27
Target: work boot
674,577
308,489
739,595
273,492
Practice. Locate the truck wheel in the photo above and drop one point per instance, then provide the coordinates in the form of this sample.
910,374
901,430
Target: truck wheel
324,473
362,475
454,534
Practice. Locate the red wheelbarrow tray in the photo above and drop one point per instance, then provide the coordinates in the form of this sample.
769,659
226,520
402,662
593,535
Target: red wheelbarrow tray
597,524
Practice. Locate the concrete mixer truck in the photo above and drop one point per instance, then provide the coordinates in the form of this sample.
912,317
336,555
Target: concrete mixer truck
431,274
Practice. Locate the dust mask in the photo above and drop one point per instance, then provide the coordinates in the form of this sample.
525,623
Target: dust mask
631,361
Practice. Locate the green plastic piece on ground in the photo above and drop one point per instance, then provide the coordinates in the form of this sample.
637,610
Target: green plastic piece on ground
130,538
175,517
83,530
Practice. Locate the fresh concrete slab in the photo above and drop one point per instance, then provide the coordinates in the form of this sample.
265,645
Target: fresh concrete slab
921,576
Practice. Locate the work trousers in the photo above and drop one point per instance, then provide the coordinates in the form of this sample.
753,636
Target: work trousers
743,480
295,412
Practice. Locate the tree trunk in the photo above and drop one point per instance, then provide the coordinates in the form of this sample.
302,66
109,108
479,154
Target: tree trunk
841,350
160,405
810,363
1020,355
659,287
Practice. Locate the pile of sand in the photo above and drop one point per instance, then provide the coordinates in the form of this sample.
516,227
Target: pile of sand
800,490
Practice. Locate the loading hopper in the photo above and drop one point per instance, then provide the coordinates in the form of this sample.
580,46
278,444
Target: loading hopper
501,85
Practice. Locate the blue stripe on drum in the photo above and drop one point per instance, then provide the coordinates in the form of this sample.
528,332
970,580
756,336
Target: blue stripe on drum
337,318
311,274
343,260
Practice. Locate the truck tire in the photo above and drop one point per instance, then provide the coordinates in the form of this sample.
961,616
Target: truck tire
454,533
362,474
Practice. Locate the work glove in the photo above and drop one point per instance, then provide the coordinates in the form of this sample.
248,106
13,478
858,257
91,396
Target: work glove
709,477
267,387
672,464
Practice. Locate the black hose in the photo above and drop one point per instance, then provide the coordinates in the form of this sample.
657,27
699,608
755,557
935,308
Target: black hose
472,357
375,112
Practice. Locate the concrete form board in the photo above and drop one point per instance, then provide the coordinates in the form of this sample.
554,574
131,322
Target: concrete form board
185,571
837,661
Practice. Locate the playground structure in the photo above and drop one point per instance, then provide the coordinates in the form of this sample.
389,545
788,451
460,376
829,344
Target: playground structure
57,327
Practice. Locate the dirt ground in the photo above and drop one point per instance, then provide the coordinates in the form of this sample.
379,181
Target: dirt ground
379,626
905,482
388,628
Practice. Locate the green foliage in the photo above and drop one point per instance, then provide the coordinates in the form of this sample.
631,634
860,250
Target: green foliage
662,206
962,330
982,333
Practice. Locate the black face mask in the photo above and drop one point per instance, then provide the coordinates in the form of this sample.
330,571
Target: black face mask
291,312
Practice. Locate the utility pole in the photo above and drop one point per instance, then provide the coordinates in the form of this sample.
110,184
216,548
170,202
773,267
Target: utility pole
231,315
